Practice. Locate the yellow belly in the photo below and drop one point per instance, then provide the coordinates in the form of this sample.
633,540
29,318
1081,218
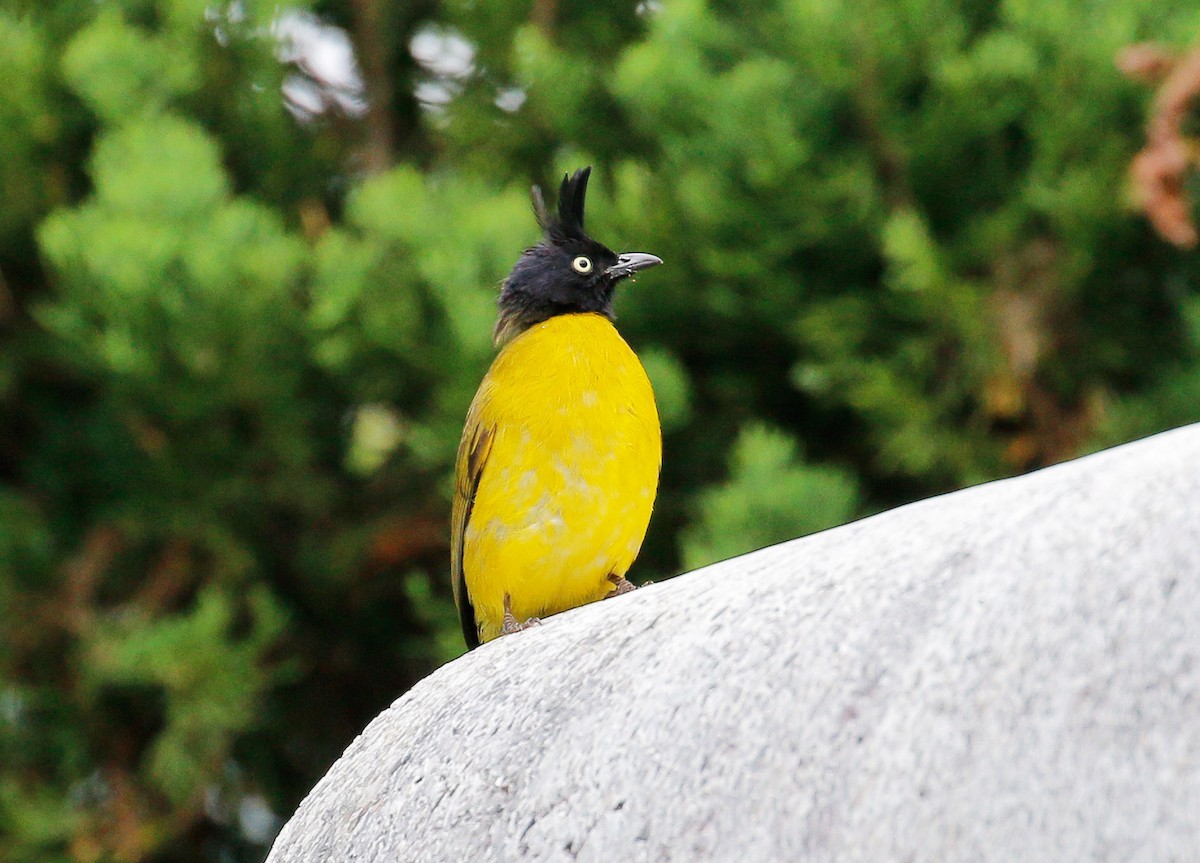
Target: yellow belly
565,495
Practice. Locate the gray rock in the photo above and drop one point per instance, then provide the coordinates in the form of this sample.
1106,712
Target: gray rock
1010,672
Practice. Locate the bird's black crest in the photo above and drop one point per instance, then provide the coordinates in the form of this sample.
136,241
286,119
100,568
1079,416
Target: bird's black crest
568,223
567,272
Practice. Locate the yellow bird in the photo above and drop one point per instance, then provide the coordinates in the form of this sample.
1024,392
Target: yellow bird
558,465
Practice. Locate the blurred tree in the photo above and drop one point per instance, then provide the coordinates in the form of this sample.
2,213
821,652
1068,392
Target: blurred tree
239,332
203,588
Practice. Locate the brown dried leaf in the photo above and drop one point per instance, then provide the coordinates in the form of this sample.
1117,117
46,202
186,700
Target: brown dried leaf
1146,62
1160,171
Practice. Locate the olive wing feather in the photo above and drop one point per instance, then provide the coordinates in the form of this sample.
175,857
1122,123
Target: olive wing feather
473,453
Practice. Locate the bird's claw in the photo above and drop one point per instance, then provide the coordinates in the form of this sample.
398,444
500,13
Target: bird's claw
511,624
622,585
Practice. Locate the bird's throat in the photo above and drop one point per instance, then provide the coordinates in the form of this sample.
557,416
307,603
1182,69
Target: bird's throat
514,320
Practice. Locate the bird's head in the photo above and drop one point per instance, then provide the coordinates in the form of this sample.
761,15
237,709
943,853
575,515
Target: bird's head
567,271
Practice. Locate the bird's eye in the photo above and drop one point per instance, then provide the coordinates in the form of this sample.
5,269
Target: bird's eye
582,264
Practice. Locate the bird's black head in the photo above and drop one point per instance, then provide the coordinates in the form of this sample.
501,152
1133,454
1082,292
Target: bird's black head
567,271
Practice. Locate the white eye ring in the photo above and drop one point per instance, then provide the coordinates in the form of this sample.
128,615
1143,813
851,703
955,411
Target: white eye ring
582,264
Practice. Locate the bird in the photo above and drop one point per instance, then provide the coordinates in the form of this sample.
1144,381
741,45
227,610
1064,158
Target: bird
558,466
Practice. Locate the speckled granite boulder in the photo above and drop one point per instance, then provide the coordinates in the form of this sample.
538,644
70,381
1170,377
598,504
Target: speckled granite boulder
1008,673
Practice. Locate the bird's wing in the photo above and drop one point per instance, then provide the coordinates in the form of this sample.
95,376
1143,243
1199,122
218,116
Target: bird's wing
473,453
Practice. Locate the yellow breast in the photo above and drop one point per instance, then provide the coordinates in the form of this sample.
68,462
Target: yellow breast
564,490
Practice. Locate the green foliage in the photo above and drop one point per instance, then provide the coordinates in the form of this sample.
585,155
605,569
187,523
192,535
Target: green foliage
236,349
771,495
209,677
28,126
115,68
1172,401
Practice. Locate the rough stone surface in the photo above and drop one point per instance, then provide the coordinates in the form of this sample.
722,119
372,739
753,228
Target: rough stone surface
1009,673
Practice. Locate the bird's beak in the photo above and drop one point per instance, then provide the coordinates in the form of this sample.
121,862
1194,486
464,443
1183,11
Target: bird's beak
630,262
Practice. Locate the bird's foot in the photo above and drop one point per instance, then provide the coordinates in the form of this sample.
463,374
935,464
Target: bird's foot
511,624
622,585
